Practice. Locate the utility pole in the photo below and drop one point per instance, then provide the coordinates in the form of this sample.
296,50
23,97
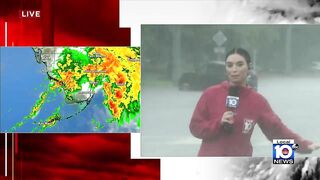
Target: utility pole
288,52
176,54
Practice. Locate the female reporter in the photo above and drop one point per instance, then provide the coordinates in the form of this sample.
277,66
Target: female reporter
226,131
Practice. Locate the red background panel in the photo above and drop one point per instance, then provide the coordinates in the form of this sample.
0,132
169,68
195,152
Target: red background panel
81,156
2,43
2,156
71,156
64,23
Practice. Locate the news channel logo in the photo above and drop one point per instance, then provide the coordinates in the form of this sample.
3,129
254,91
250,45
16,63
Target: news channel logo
232,102
283,151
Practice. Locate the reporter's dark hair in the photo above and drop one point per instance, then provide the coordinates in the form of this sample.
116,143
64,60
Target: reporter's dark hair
242,52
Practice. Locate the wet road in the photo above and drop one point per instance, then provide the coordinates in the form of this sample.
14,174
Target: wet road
166,114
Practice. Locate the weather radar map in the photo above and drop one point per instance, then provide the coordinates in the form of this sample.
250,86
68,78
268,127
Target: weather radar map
70,89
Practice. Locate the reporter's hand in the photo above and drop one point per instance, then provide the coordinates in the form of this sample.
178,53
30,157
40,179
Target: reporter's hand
227,117
314,146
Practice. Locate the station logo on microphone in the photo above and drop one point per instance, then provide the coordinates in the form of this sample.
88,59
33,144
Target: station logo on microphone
232,102
283,151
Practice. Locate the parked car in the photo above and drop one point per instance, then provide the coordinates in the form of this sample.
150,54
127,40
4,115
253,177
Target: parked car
208,75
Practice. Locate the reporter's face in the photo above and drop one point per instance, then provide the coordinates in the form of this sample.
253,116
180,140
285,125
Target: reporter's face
237,69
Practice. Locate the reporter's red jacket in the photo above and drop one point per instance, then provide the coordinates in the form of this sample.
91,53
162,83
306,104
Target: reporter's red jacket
253,108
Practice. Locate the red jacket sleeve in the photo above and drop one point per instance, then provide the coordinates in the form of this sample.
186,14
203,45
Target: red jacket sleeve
201,125
273,128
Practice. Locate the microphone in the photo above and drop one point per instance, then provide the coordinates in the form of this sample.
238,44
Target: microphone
232,103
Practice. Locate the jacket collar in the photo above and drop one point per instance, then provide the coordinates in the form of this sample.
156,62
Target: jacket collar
242,90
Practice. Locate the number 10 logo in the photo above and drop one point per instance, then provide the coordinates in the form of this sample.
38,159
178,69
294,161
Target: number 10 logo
283,152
